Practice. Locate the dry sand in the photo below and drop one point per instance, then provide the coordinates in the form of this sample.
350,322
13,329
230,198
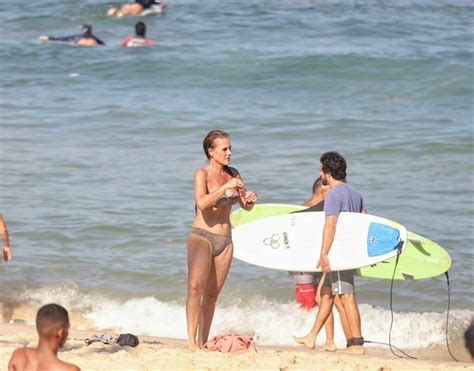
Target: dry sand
156,353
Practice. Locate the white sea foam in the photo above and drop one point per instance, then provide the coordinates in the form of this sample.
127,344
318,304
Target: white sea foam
146,316
274,323
271,323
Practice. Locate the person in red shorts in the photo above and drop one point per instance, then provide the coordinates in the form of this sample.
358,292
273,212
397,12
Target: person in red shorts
307,282
139,39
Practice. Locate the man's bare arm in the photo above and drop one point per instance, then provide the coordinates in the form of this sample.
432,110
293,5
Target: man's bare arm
329,231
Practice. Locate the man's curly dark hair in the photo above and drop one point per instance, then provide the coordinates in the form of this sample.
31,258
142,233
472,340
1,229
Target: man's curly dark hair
334,164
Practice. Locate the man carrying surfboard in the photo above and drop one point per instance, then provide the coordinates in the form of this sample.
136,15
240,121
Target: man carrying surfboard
343,198
308,285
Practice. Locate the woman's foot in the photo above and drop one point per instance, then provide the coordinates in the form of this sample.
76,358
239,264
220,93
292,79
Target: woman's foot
192,346
306,341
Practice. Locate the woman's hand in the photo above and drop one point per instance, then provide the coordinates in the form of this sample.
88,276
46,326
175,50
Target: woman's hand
250,197
234,183
7,253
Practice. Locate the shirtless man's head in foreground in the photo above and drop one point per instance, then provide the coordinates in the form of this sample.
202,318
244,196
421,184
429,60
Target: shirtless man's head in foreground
52,324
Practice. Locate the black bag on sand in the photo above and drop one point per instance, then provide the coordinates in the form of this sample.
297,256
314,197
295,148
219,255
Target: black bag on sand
127,339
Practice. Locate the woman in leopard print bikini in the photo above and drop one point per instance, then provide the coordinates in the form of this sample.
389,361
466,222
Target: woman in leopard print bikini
217,186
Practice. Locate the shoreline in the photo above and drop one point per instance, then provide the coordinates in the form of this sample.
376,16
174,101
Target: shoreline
157,353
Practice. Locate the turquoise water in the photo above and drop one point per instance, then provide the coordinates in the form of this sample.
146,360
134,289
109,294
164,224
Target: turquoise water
99,145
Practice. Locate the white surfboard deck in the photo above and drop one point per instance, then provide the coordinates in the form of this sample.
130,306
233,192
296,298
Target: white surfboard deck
292,242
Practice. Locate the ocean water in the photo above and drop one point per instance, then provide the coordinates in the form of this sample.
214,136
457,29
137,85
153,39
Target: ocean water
98,147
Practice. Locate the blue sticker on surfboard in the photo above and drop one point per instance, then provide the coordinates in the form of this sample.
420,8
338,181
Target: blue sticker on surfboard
381,239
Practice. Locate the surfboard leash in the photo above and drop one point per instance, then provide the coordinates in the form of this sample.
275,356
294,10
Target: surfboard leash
391,345
391,317
447,316
399,251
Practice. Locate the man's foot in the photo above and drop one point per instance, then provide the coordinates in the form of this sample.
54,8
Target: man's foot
305,340
329,347
355,349
111,12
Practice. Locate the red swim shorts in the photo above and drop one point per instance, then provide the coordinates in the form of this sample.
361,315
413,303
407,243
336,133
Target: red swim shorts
305,295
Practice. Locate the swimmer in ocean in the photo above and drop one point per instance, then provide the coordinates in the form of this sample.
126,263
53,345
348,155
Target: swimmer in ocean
139,39
86,38
136,8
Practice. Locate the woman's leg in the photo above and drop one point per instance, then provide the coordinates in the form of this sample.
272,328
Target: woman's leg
214,285
199,266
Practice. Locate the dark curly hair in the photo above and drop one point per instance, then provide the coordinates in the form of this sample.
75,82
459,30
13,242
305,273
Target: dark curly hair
334,164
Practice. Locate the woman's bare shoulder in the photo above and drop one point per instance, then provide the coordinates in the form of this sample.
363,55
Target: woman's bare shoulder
201,173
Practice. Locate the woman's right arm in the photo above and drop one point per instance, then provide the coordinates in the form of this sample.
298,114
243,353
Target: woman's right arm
202,198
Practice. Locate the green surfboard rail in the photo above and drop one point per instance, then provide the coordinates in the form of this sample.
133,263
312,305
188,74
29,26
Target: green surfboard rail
422,257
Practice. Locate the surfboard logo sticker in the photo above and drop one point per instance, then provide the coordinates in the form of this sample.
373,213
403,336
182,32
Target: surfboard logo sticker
285,240
276,241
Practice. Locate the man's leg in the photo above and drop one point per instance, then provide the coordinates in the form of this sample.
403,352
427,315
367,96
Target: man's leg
343,318
345,288
353,316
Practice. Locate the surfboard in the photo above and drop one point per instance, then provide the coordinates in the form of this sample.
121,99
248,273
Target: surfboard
290,241
154,9
421,259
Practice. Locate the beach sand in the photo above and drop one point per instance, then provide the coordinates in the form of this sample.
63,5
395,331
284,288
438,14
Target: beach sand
155,353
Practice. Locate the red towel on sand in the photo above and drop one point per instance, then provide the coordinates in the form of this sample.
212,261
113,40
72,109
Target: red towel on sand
230,343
